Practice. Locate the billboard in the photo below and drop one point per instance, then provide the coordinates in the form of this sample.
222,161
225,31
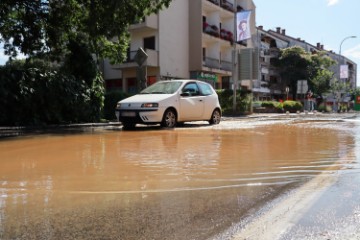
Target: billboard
243,25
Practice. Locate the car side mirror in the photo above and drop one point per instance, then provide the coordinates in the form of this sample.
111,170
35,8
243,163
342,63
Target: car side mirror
185,94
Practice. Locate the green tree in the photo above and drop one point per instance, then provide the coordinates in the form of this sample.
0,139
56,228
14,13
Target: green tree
45,27
296,64
355,91
321,82
319,74
293,65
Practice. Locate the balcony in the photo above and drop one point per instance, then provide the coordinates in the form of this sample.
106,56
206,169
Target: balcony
150,22
227,5
213,30
223,4
216,2
152,60
227,35
212,63
274,52
226,65
217,65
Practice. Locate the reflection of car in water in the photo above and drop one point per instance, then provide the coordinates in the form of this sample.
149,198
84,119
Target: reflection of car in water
169,103
173,151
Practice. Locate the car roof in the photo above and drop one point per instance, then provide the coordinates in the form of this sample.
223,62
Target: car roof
183,80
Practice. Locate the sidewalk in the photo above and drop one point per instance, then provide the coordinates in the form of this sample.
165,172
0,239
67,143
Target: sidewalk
12,131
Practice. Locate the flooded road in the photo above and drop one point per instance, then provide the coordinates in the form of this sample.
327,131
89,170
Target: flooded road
194,182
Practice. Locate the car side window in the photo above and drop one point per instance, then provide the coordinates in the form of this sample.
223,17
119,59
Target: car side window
191,89
206,89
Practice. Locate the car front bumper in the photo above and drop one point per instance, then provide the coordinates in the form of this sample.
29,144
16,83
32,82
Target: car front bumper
139,116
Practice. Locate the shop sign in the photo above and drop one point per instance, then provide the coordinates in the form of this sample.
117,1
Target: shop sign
206,76
358,99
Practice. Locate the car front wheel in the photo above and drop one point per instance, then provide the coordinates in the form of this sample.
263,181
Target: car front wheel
169,119
215,117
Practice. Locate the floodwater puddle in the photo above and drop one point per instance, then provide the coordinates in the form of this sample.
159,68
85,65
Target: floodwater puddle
187,183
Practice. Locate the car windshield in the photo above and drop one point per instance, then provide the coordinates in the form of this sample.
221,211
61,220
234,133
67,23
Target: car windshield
162,88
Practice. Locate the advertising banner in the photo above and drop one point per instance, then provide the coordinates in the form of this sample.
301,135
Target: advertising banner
344,71
243,25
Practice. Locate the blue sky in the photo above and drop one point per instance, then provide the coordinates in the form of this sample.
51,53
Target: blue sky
325,21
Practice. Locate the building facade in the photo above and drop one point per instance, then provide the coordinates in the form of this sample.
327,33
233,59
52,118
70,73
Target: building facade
191,39
269,86
196,39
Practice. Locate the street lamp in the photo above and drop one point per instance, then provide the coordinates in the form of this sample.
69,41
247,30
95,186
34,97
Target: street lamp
340,63
340,57
343,41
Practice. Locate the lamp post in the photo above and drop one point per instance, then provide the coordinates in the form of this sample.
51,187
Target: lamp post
344,41
340,66
340,62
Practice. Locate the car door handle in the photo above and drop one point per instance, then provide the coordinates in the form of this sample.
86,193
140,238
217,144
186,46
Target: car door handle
200,100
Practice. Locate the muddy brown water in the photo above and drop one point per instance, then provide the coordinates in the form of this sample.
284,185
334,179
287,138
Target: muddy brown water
189,183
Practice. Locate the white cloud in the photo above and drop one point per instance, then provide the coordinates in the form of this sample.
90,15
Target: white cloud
332,2
353,53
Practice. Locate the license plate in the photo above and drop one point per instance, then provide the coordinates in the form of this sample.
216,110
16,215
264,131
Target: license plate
128,114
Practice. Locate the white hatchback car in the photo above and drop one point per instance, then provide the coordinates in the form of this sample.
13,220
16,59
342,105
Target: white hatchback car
170,102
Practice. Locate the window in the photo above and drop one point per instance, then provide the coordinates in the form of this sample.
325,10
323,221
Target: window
191,89
149,43
205,89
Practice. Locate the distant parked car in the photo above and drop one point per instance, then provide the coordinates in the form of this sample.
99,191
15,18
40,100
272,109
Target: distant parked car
169,103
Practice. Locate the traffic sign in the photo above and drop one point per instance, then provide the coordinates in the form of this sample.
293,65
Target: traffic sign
302,87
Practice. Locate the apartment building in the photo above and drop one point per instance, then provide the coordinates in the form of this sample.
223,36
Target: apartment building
341,60
191,39
269,85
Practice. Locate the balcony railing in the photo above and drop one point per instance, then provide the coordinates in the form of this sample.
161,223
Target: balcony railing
213,30
212,63
130,56
226,65
227,35
224,4
217,64
227,5
216,2
149,22
152,59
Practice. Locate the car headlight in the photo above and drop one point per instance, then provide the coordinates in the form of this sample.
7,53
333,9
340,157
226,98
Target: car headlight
149,105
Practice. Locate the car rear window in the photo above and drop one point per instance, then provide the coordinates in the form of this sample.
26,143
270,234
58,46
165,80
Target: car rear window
206,89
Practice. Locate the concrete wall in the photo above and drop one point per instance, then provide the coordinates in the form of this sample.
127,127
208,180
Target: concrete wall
195,35
109,72
174,40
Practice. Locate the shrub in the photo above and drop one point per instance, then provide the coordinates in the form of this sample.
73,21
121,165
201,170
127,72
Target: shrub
292,106
243,102
111,98
36,93
268,106
324,108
